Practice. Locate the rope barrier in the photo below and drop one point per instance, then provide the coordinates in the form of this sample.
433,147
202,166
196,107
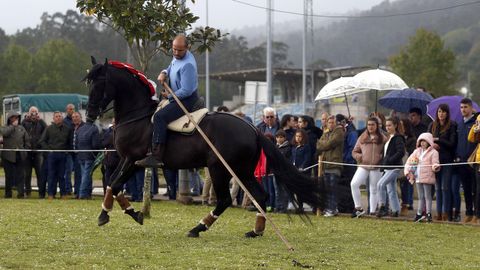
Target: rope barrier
388,166
50,151
307,168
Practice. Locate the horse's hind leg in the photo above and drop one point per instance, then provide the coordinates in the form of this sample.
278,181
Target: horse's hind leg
221,180
115,191
256,190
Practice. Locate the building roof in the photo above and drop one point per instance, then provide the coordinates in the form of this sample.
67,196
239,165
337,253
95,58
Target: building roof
259,74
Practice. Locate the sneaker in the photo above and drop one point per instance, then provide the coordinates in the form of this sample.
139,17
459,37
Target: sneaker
394,214
382,212
358,213
429,217
330,213
456,218
418,218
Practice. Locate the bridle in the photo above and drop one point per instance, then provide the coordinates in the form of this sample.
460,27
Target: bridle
148,110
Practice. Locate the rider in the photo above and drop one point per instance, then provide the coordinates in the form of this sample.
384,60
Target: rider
182,73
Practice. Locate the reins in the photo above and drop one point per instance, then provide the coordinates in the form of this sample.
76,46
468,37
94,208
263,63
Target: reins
134,119
105,111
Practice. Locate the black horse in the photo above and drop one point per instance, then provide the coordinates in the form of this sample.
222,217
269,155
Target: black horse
237,140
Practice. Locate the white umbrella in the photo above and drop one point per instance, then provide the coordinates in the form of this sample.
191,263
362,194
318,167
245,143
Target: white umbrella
336,88
377,79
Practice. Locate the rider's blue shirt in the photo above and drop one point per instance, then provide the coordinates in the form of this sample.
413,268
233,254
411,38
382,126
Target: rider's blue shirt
183,75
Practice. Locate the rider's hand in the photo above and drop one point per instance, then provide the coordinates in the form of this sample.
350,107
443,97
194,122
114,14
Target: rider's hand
162,77
164,94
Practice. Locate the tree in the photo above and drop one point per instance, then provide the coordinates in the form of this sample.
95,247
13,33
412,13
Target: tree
4,40
16,71
459,40
472,69
425,61
149,26
59,66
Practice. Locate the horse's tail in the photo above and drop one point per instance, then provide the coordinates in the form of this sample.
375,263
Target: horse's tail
296,183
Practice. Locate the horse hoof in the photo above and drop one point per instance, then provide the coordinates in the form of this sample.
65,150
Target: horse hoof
139,218
193,234
104,218
252,234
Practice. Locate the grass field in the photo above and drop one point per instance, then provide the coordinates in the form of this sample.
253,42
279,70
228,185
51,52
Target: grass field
64,235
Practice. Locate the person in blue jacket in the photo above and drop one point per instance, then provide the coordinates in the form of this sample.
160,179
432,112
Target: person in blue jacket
182,73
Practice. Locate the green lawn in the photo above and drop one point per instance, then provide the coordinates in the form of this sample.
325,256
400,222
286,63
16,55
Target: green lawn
64,235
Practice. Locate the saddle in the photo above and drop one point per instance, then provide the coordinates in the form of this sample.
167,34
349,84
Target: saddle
183,124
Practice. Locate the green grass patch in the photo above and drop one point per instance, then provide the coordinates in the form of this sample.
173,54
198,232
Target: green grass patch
62,234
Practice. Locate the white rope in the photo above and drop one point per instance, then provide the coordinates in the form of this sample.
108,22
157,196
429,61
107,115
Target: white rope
49,151
388,166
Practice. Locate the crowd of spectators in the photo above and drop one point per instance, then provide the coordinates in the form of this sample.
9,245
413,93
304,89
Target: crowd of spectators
347,159
57,162
378,157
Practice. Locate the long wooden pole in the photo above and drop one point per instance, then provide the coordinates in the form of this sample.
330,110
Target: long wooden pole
224,162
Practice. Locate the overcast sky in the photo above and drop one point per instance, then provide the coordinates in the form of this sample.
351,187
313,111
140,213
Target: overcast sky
223,14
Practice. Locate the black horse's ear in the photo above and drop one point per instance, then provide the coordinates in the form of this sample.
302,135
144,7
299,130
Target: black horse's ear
94,61
106,62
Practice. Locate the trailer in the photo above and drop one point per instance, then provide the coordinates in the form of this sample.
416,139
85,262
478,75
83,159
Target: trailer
47,104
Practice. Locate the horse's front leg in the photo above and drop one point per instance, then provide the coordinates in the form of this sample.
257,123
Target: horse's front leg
220,179
114,191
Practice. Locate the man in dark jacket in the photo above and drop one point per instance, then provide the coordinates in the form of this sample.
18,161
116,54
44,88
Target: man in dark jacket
464,174
34,160
69,162
415,117
77,122
111,159
87,138
14,137
57,136
344,194
270,123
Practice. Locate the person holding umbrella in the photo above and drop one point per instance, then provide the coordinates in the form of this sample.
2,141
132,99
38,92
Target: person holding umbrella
415,117
444,133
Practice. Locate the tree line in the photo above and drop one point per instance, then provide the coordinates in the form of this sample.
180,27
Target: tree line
54,56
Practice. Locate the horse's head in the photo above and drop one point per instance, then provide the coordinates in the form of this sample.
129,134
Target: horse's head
98,84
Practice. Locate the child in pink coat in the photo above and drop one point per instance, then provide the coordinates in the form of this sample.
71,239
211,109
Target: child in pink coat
424,175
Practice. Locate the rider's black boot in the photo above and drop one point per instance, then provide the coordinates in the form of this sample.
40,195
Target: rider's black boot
153,160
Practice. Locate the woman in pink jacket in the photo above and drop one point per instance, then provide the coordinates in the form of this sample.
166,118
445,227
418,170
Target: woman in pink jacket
420,169
368,152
